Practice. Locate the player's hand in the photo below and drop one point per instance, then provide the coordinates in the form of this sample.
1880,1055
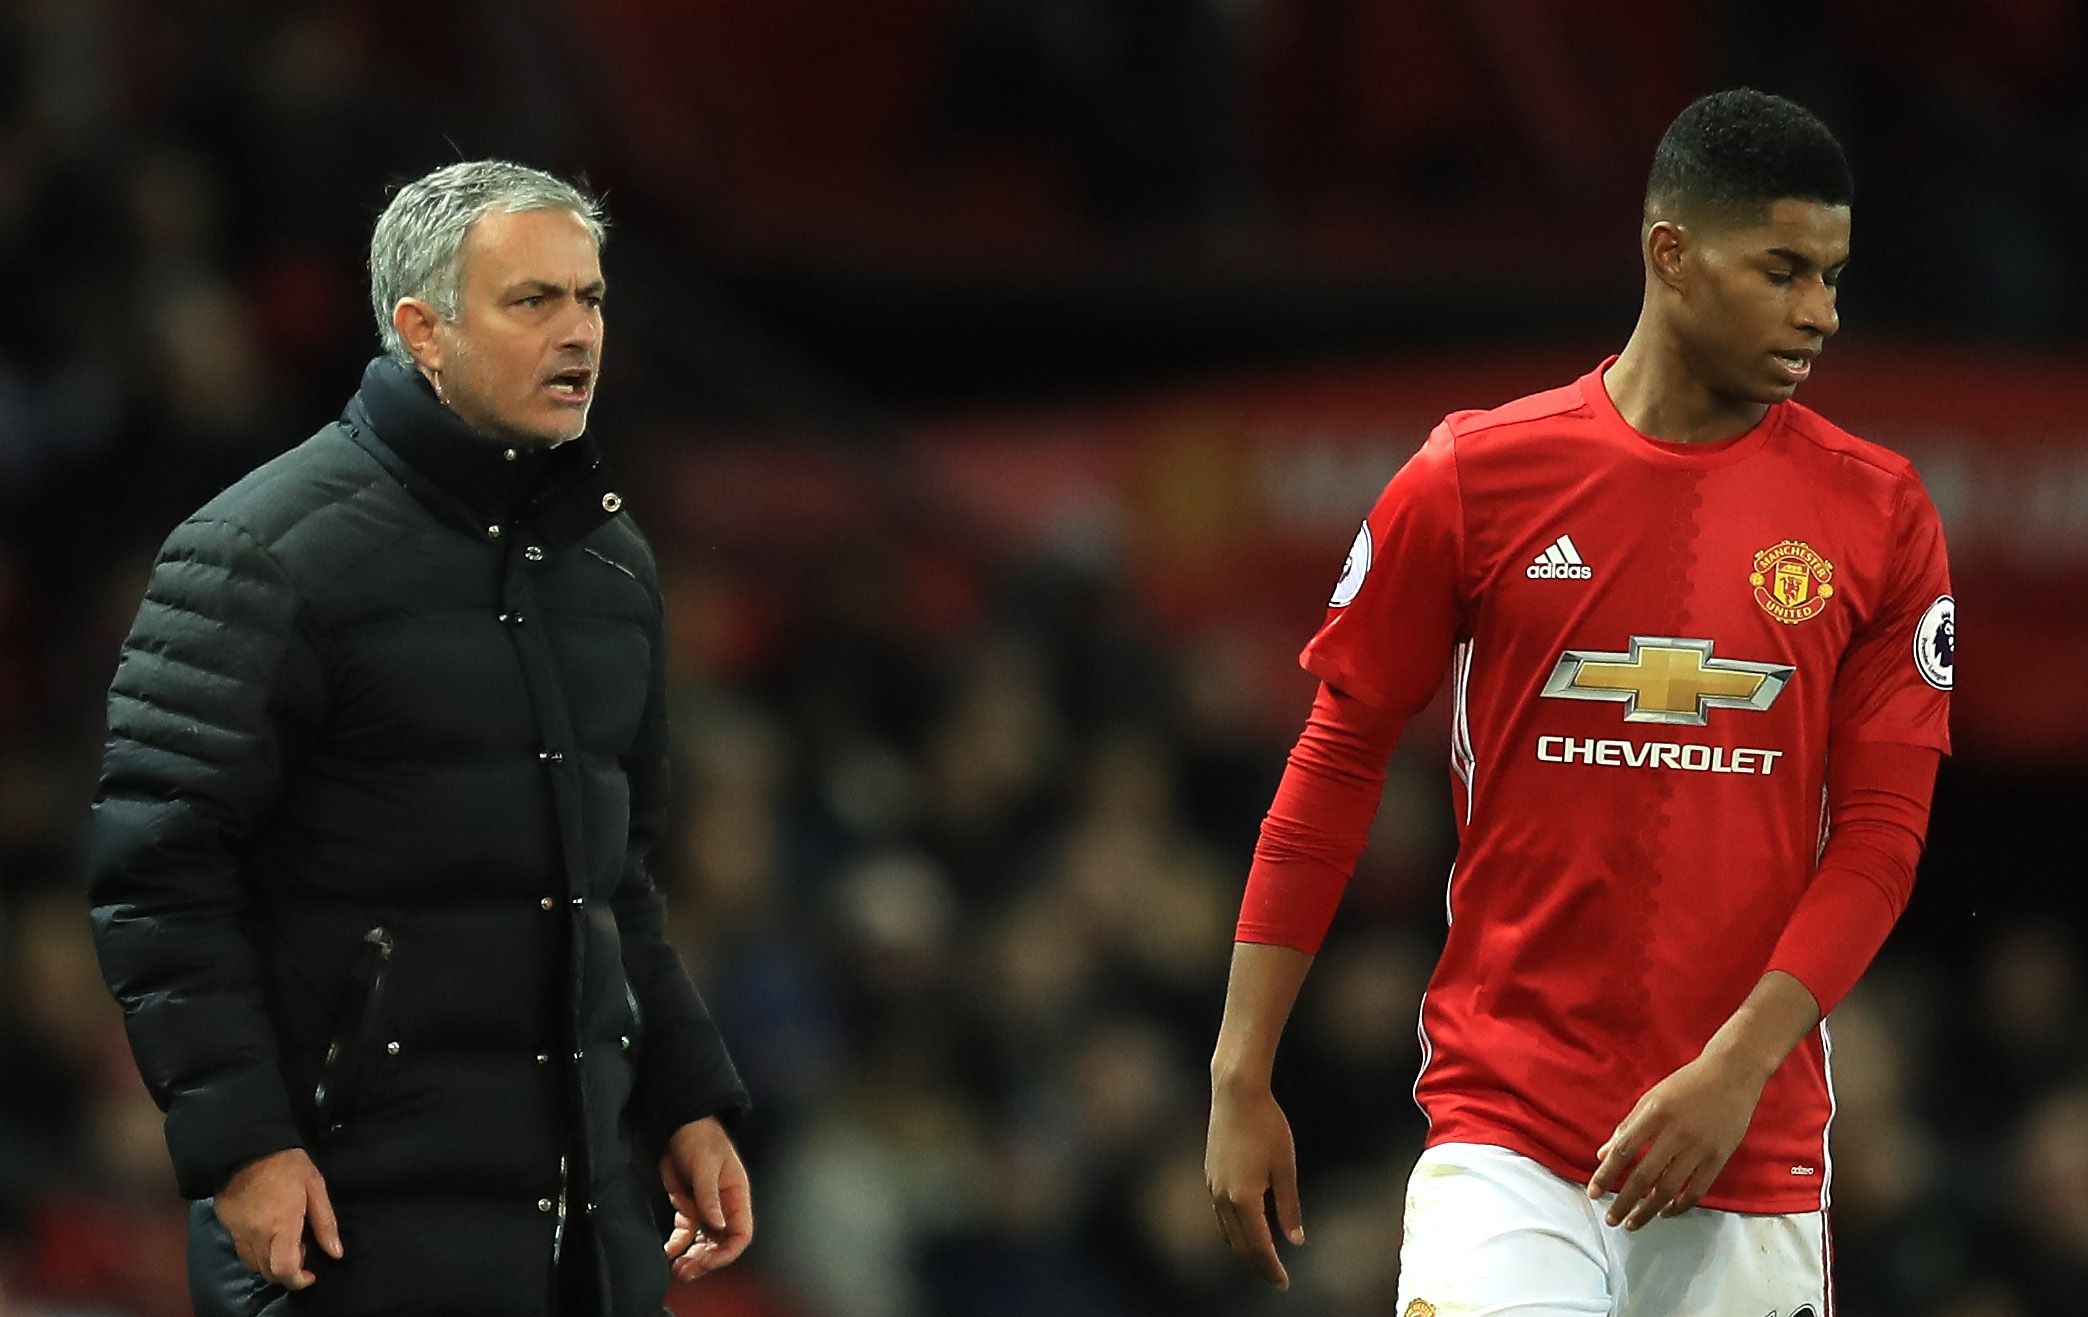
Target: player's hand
1248,1157
713,1203
1664,1157
265,1206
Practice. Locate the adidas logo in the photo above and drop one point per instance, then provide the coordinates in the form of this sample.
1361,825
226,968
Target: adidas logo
1560,562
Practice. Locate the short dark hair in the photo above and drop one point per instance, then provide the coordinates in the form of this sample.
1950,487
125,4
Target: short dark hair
1734,153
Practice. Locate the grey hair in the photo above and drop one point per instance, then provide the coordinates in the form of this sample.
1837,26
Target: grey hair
415,249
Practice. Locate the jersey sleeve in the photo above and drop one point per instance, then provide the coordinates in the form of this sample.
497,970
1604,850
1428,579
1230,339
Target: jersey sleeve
1878,798
1318,823
1894,682
1399,607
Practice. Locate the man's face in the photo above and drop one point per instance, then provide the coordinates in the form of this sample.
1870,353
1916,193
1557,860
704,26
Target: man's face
1759,298
521,359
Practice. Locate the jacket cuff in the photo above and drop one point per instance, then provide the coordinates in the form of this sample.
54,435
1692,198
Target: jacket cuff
670,1097
212,1133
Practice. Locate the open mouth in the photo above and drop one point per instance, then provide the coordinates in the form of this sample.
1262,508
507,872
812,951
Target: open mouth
1795,365
571,386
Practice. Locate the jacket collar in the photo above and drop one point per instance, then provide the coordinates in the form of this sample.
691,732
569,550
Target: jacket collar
469,479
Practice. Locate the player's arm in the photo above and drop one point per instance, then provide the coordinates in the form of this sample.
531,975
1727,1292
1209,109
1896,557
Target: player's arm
1394,619
1879,800
1248,1153
1668,1152
1315,830
1259,994
1891,727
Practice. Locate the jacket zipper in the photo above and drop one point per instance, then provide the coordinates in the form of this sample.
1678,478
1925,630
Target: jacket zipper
558,1232
356,1028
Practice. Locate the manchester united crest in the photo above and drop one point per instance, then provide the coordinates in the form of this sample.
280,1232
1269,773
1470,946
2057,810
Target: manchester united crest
1791,582
1420,1308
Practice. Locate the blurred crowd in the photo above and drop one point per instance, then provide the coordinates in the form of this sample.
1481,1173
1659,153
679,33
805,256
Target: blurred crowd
961,832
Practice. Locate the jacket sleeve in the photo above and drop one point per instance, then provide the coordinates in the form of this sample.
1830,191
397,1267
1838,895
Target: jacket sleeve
193,766
684,1071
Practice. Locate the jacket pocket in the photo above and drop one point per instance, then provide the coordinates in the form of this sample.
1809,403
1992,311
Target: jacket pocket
341,1073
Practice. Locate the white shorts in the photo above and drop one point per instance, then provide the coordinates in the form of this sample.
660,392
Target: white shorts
1489,1231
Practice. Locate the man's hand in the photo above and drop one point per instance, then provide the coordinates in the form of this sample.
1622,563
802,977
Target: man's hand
265,1205
1680,1134
1688,1124
1249,1155
713,1207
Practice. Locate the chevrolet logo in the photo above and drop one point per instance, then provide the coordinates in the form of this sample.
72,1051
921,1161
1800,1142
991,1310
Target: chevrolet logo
1666,679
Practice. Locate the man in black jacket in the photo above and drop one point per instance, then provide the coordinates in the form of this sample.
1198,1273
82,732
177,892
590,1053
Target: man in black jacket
369,860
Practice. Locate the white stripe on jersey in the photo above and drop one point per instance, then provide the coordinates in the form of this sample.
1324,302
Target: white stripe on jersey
1826,1151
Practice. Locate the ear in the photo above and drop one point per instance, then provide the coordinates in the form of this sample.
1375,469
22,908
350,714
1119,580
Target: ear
1666,245
416,320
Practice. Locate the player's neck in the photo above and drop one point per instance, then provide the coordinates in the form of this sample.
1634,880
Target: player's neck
1659,396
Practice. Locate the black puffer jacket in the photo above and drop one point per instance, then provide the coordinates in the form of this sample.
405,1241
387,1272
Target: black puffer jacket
387,753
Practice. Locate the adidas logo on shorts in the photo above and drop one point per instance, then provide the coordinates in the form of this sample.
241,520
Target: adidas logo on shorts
1560,562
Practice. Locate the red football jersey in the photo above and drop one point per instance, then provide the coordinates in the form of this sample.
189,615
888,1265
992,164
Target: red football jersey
1653,647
